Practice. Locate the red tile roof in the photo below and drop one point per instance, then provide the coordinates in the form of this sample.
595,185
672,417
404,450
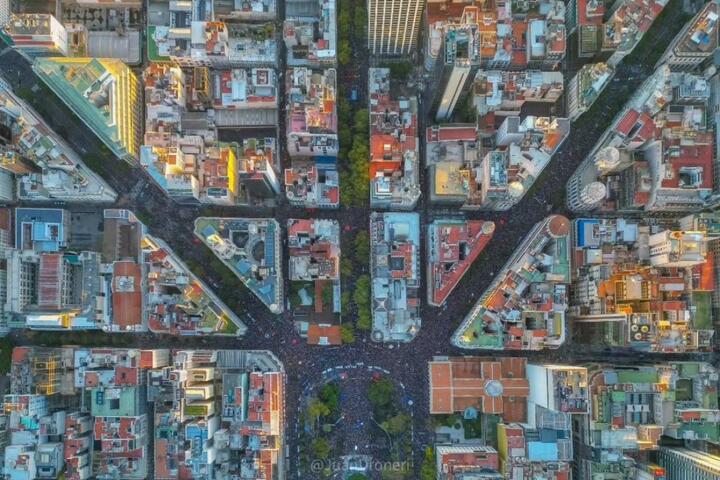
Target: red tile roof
491,386
627,122
127,294
324,335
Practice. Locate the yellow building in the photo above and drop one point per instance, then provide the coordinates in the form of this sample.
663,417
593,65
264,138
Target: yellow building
104,93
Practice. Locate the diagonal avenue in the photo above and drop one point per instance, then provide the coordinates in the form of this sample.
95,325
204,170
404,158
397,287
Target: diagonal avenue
407,362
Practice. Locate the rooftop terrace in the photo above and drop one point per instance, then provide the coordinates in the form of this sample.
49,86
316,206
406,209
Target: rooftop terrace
524,308
251,249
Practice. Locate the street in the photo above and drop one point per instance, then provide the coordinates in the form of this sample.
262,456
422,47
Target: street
407,363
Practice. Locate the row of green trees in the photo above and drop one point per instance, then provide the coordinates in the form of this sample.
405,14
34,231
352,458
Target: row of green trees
321,410
397,424
354,154
354,266
352,125
352,25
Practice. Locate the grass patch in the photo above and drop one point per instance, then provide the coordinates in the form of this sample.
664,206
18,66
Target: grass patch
702,301
228,328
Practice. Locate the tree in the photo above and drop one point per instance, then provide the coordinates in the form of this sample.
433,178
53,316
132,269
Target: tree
364,321
357,476
344,111
346,268
359,175
362,122
344,22
345,136
428,469
467,113
345,302
381,392
393,474
316,410
320,448
344,53
400,70
347,333
361,296
347,189
330,395
362,247
360,21
397,425
327,294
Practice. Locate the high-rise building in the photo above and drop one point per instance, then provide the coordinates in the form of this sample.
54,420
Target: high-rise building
36,34
255,168
4,11
461,58
104,94
686,464
677,249
46,167
393,26
585,87
697,41
639,144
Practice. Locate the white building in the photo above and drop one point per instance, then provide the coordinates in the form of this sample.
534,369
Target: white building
677,249
37,34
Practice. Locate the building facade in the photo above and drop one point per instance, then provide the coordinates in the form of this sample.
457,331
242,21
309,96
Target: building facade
393,26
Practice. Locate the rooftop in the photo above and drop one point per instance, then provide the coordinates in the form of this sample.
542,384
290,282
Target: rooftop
314,249
324,334
592,79
395,263
689,411
453,246
246,10
479,385
104,93
524,308
311,101
312,40
459,174
497,35
250,248
623,29
662,129
313,186
127,296
244,88
178,302
506,92
46,167
702,37
216,43
636,285
41,229
394,163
